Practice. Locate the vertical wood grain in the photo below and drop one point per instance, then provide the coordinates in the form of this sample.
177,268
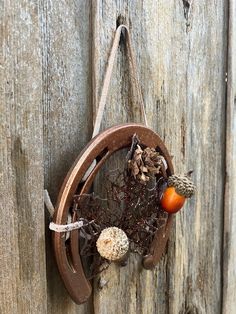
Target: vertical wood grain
181,55
67,113
229,253
22,249
52,63
130,289
195,258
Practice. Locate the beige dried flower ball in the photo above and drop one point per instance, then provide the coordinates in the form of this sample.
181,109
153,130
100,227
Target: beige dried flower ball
112,243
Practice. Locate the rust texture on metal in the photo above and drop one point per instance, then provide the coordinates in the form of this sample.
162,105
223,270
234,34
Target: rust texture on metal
100,149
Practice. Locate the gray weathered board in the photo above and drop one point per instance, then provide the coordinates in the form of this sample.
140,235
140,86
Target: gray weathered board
229,249
52,62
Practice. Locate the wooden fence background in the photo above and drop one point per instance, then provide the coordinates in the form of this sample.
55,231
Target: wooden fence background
52,62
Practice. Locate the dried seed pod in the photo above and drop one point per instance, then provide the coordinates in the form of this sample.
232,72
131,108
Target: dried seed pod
112,244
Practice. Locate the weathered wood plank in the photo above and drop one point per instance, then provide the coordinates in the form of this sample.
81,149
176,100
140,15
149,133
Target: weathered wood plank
181,55
67,112
229,271
195,264
22,257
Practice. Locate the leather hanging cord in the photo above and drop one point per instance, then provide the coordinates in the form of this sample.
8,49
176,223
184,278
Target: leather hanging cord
100,111
107,79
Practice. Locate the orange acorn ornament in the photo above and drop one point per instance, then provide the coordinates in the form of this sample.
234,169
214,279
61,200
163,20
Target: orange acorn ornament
179,188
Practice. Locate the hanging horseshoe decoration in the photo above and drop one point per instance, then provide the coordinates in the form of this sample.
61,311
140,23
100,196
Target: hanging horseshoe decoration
100,148
82,174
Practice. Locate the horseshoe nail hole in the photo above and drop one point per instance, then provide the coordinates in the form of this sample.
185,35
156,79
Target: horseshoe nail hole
94,163
102,154
89,170
68,255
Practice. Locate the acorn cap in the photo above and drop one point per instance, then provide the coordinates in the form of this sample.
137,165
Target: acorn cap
182,184
112,243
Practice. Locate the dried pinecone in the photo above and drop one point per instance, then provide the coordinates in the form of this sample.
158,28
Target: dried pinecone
145,163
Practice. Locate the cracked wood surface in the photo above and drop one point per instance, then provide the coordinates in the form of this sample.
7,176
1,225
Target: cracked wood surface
52,64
